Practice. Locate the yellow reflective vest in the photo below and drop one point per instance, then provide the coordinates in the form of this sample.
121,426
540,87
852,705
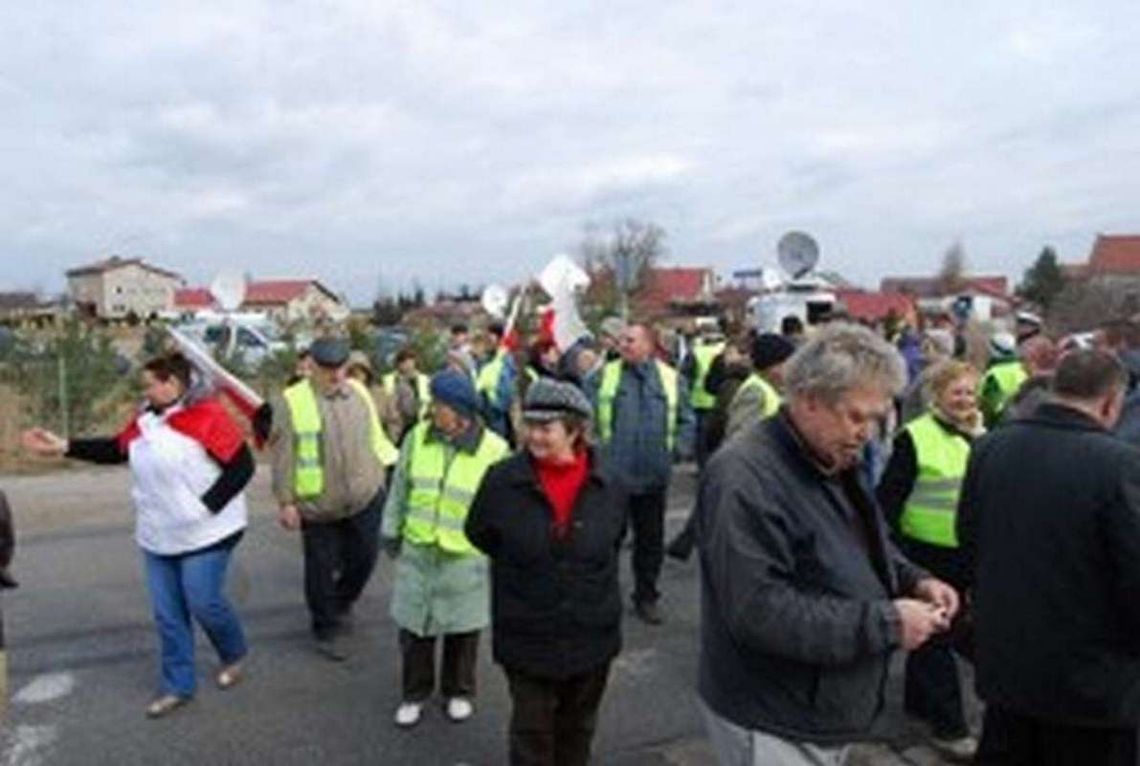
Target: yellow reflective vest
308,475
423,389
704,355
1000,383
440,492
607,392
770,400
931,511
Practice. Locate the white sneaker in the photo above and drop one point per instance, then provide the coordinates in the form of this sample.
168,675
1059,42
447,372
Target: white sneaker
961,749
459,709
408,714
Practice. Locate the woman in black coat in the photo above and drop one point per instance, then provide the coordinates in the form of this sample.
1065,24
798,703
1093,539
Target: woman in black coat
551,520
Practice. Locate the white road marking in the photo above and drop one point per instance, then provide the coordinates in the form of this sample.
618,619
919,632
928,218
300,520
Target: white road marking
26,745
45,688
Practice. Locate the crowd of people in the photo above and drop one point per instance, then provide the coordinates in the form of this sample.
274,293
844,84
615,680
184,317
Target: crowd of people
956,495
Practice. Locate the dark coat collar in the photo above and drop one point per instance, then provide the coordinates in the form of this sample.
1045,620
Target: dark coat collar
786,435
519,469
1056,415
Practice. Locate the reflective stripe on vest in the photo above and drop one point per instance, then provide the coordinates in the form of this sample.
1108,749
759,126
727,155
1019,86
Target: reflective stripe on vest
704,355
607,392
440,493
931,510
308,473
770,399
308,477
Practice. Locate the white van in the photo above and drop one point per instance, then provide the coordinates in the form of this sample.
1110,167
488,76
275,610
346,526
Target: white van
252,337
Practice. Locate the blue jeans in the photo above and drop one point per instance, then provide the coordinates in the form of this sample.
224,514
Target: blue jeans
186,585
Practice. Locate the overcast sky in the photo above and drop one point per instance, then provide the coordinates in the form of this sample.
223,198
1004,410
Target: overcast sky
372,143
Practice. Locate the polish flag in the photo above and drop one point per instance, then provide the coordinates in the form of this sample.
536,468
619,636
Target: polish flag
562,279
245,399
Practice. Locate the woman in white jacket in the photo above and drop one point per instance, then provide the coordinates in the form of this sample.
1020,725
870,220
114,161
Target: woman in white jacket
189,466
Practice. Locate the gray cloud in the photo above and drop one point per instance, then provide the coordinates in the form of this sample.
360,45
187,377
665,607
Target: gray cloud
365,142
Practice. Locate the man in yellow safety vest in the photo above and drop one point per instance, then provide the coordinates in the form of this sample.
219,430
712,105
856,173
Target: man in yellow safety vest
698,363
759,397
408,388
644,421
329,455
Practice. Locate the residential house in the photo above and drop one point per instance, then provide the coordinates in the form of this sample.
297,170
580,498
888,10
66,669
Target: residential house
989,296
27,308
117,288
873,308
287,301
1113,261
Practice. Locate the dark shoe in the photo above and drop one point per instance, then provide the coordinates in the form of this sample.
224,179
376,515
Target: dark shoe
332,648
648,612
681,548
165,705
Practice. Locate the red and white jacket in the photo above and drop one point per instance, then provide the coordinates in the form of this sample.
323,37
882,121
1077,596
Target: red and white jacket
173,457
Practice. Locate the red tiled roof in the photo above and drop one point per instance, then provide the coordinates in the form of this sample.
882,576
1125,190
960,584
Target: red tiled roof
193,298
668,285
277,291
266,292
1115,254
115,262
930,287
873,306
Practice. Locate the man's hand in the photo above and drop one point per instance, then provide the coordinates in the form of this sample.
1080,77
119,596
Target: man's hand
939,594
919,621
289,517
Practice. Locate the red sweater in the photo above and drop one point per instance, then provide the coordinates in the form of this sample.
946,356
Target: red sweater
561,483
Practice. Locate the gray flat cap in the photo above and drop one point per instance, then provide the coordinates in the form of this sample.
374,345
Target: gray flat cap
550,399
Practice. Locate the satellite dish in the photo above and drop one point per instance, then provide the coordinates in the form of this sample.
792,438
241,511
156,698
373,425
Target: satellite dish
495,300
228,289
798,253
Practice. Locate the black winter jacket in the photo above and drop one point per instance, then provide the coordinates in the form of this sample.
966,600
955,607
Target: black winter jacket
797,579
555,603
1049,520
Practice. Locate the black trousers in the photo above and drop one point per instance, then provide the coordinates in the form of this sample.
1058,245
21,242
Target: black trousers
702,441
553,720
1010,739
933,689
647,520
339,558
457,679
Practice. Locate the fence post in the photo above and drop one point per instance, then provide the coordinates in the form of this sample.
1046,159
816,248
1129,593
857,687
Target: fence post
65,418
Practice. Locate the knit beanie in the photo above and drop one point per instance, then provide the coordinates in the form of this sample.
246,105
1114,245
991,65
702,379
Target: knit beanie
456,390
769,349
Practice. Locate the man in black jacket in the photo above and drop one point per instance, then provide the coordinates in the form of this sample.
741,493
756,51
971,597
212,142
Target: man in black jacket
1049,520
803,597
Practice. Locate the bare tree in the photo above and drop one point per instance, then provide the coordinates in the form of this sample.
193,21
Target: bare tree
1084,304
952,274
627,250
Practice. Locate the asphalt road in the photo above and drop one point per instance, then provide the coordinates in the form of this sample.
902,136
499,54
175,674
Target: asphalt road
82,657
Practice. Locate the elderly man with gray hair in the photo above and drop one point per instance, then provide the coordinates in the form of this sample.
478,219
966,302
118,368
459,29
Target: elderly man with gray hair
803,596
